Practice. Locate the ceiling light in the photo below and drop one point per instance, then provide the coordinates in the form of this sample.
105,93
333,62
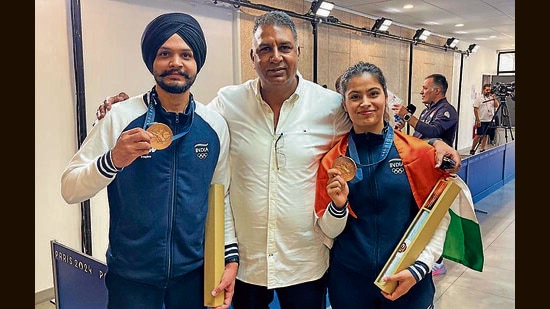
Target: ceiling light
473,48
421,35
381,25
452,42
321,8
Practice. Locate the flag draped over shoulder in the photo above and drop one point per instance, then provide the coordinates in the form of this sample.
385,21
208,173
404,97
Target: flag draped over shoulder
463,242
463,239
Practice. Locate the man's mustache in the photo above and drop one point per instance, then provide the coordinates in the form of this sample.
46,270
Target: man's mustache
180,72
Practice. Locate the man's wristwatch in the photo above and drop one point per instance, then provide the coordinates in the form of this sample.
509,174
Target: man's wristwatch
407,117
432,140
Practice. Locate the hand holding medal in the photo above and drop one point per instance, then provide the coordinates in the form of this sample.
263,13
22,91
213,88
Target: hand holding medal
337,187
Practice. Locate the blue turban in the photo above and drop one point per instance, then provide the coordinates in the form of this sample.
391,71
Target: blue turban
163,27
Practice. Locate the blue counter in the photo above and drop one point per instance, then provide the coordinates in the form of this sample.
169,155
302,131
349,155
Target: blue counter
487,171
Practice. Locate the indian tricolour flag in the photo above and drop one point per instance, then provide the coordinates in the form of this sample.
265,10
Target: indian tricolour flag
463,241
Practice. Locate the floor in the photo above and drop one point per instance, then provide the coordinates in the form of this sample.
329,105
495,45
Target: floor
463,288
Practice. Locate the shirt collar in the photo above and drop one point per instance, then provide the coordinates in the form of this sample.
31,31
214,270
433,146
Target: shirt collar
431,105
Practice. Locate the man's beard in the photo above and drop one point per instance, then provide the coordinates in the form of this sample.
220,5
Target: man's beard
175,87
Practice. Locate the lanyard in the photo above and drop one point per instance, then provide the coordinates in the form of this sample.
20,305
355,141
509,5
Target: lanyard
150,117
388,140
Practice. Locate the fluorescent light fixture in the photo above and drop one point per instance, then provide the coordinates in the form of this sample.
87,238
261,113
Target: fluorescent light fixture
452,42
321,8
382,25
473,48
421,35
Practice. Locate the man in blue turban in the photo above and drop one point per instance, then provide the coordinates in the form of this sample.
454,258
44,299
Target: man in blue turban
163,27
158,154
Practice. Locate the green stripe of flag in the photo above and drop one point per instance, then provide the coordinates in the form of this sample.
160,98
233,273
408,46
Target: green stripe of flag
463,243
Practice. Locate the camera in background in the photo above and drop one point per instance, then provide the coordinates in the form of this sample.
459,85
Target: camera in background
504,89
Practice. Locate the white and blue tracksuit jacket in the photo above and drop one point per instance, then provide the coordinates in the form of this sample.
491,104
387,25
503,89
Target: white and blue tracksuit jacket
157,204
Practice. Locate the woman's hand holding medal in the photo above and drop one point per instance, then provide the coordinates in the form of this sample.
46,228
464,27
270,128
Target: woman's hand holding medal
343,170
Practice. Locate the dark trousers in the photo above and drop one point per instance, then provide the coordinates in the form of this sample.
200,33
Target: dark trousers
348,289
307,295
487,128
184,292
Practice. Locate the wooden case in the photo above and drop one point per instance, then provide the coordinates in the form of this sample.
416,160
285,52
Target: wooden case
419,232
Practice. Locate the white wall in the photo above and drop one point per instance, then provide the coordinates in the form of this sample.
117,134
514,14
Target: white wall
484,61
55,138
111,34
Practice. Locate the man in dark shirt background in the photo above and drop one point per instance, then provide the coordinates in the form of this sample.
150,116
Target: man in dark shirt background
438,120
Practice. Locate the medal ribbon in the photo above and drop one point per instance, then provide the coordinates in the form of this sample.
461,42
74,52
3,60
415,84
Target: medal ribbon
388,140
150,117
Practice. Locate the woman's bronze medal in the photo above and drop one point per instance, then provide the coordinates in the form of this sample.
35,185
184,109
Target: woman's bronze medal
346,166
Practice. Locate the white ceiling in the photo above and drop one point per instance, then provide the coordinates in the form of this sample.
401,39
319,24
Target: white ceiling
487,23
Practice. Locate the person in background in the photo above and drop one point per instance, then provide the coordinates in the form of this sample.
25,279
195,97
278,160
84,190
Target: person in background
158,154
281,125
367,216
438,119
484,111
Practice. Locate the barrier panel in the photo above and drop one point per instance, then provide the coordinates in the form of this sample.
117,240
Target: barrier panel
79,279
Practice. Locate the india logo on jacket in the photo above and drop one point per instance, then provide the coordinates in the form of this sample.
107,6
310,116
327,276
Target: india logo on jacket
396,166
201,150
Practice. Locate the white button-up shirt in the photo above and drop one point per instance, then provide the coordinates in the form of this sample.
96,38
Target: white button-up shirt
273,173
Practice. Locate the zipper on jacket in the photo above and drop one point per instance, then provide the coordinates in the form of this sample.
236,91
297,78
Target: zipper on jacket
173,202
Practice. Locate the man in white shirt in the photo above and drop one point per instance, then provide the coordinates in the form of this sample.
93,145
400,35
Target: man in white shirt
484,111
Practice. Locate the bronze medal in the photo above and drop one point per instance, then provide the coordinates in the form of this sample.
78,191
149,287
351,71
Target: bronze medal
162,135
346,166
